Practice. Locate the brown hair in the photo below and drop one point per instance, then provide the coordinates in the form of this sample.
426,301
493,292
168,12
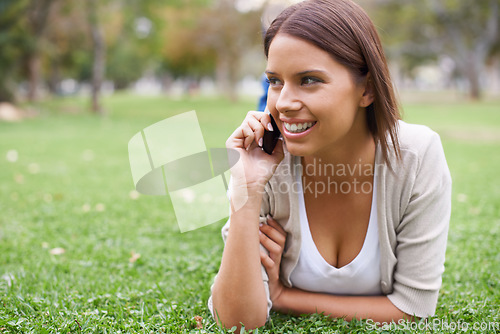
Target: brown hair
344,30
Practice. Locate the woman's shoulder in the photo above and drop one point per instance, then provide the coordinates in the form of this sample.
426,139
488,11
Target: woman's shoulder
420,149
416,137
421,153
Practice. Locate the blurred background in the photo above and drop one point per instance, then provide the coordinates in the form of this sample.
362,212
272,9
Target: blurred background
55,48
81,251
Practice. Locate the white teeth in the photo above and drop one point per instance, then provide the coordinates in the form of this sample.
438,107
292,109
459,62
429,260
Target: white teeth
298,127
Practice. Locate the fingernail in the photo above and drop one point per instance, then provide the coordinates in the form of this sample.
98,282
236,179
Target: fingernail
260,142
269,127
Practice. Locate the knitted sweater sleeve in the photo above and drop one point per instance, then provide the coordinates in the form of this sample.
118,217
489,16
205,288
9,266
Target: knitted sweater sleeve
421,234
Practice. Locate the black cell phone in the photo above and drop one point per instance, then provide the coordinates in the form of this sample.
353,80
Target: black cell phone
270,138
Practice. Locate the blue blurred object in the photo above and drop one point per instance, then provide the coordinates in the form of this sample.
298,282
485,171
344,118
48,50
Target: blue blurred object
263,99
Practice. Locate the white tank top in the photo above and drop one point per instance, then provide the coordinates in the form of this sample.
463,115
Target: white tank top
360,277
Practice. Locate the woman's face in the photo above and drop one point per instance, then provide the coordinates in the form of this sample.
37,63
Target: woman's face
314,99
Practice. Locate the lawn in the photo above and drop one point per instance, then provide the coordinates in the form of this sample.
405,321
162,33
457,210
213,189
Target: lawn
81,252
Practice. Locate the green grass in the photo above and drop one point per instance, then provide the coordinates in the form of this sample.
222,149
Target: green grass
70,188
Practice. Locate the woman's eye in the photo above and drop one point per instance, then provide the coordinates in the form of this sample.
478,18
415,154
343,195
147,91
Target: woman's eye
274,81
309,80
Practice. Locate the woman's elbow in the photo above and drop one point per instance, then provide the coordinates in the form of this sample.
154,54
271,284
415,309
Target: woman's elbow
230,316
249,325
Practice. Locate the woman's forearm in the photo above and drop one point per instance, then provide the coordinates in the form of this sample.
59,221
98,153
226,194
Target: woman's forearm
238,294
378,308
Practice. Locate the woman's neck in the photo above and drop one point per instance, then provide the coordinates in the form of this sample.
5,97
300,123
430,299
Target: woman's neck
355,162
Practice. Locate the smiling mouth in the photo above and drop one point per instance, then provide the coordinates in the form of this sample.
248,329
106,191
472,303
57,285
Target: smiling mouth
298,127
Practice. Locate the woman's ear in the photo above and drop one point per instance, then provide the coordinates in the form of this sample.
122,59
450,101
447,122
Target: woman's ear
368,94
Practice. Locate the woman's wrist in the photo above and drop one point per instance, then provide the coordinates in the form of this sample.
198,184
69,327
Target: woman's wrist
253,186
279,304
248,197
242,188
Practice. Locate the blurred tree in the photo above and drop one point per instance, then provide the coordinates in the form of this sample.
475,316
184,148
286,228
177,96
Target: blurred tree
466,31
470,31
184,54
229,33
135,45
67,52
37,12
11,36
99,53
23,24
46,41
208,39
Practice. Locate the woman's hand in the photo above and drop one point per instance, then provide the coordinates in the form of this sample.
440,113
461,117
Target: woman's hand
273,238
254,167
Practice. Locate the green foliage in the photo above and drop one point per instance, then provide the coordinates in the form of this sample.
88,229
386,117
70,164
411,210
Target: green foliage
181,40
70,187
12,36
183,52
67,45
125,65
419,31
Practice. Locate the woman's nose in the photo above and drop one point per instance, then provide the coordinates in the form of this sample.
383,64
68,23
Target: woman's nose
287,100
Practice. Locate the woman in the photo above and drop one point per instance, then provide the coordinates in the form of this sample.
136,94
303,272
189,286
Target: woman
349,215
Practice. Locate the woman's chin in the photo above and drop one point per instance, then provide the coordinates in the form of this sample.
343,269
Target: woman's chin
297,150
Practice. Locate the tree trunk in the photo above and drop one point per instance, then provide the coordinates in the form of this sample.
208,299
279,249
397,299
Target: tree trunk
37,15
233,79
33,76
54,80
227,52
6,91
226,75
99,57
222,73
98,68
472,74
469,53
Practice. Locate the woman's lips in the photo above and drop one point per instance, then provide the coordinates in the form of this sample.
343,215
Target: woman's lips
297,129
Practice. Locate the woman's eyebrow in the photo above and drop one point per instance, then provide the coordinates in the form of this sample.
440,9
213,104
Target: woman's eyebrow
309,72
299,73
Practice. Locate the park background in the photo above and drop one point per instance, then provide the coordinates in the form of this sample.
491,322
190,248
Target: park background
81,251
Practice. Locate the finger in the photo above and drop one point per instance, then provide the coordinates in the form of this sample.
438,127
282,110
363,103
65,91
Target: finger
266,261
251,130
275,224
263,117
244,135
273,234
235,140
248,136
269,265
257,128
275,250
265,120
239,137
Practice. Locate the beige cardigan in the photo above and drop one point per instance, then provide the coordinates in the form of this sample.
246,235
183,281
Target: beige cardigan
413,205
